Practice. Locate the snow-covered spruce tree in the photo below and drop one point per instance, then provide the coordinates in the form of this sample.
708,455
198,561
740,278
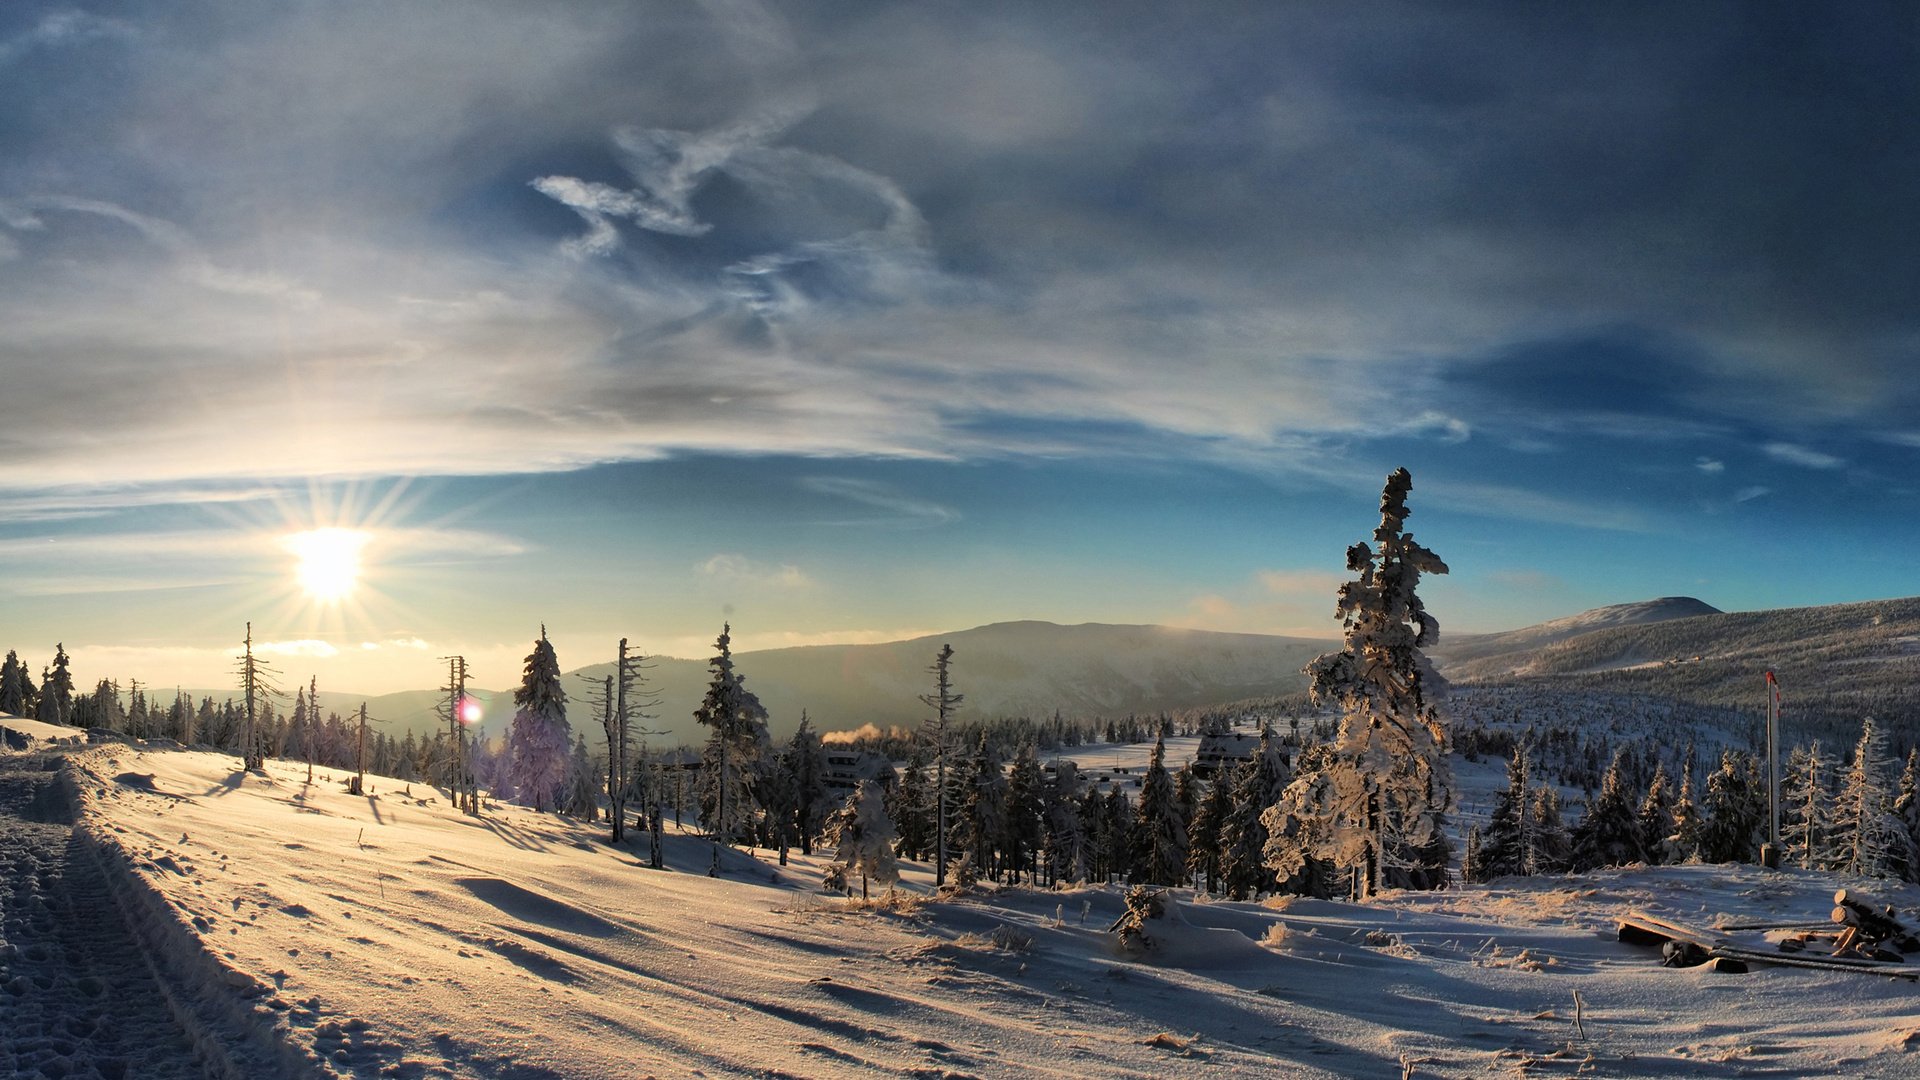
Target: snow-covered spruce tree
806,760
1385,792
938,733
56,690
1065,849
863,839
1735,811
737,743
1906,807
1160,831
1551,845
583,784
1116,834
1656,815
1683,844
1203,836
539,753
981,819
1805,809
1507,843
1022,826
1868,837
911,809
1258,782
1609,834
13,693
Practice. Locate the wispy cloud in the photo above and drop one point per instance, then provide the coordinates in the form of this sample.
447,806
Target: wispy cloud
896,509
1805,457
58,29
1710,466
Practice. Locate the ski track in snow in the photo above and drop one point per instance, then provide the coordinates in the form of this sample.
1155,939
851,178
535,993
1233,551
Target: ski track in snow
76,997
389,936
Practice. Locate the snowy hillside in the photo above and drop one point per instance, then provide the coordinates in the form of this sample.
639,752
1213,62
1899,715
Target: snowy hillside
1456,649
1836,663
308,932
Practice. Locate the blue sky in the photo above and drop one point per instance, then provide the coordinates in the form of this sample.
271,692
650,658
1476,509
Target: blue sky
849,321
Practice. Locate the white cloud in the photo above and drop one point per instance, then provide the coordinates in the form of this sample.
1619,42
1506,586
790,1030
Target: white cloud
1709,465
1805,457
896,509
1748,494
734,569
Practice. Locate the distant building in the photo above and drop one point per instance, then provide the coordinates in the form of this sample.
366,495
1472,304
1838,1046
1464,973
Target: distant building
1223,750
847,766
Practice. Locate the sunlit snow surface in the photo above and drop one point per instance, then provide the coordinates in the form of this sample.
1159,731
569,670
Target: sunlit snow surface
386,935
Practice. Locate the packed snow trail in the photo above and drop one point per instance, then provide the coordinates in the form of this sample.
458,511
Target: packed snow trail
77,999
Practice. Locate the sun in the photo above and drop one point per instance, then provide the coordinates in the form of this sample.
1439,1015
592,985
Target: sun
329,562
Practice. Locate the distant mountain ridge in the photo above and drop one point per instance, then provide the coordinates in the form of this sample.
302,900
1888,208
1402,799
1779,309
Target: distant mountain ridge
1835,663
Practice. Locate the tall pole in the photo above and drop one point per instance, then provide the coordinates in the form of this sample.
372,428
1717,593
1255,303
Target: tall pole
1770,855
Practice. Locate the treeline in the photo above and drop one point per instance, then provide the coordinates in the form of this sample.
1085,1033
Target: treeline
1861,816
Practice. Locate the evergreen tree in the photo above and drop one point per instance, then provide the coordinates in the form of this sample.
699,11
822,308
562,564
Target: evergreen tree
1805,810
57,689
1116,834
1473,865
736,745
1869,838
1161,830
583,784
13,694
1022,826
1065,848
1246,869
1683,844
1380,801
911,808
1507,843
939,736
1609,834
1735,811
982,817
1551,846
539,743
812,802
1906,807
1204,836
863,839
1656,815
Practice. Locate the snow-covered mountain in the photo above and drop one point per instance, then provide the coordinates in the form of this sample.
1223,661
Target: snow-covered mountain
1835,663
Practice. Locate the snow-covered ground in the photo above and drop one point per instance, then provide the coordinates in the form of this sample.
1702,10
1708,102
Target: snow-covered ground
387,936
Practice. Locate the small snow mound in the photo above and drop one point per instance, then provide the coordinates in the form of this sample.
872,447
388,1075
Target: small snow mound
1155,930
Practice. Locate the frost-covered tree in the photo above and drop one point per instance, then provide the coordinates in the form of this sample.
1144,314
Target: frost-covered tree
583,784
1507,844
1805,809
1022,827
1609,834
1161,831
1380,803
1551,845
1656,815
1683,844
981,819
540,741
1065,848
912,807
56,690
1204,835
737,743
13,694
1906,807
1734,812
938,733
1868,838
863,839
1246,868
806,760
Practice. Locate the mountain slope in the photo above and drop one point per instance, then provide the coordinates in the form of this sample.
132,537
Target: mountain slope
1004,669
1836,663
1471,647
